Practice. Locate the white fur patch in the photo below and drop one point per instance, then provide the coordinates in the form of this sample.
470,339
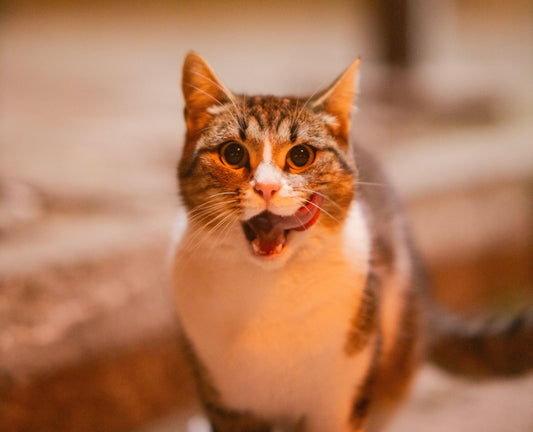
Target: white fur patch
273,338
217,109
268,173
254,131
355,228
284,202
329,119
267,152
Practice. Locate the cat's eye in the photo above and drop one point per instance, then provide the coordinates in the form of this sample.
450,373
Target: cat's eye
300,157
233,155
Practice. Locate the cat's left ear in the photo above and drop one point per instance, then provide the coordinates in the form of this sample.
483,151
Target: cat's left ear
201,90
337,100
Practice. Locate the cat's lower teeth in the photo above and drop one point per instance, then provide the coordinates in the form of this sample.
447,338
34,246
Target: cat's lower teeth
256,246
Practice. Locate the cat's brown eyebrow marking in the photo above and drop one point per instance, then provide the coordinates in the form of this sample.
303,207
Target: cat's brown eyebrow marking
243,125
294,131
193,161
340,157
280,121
195,157
257,115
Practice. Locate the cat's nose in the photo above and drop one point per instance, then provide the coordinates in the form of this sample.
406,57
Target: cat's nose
267,190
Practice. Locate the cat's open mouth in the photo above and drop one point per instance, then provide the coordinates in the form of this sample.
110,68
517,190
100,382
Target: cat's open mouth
267,232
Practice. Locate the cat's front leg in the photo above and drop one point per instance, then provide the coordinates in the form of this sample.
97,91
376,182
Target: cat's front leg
222,418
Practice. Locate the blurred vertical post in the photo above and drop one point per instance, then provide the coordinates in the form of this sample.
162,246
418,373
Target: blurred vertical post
394,20
395,41
410,32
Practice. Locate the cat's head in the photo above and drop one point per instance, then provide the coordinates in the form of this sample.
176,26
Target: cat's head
276,167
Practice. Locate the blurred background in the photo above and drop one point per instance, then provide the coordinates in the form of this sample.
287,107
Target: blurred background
90,133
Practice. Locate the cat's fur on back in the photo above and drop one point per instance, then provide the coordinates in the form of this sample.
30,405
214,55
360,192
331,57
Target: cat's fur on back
298,290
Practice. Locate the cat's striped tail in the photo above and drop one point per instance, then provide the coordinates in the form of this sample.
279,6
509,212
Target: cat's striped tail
482,348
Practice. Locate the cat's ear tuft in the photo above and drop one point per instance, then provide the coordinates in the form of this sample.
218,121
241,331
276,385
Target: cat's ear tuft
337,100
201,90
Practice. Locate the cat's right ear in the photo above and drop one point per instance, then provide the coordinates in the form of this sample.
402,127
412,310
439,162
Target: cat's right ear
201,90
337,101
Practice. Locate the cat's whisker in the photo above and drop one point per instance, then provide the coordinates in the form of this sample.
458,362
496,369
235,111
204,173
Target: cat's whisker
207,200
200,218
192,240
203,218
317,90
243,105
204,129
221,193
229,213
193,243
322,210
228,94
207,219
215,242
319,194
224,90
216,232
299,221
209,206
201,234
205,93
370,184
225,229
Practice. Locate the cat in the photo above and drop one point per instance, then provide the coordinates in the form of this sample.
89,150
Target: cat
302,301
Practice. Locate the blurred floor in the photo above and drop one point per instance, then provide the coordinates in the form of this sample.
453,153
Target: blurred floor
439,403
90,131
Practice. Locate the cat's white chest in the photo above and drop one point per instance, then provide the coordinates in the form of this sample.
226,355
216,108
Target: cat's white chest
273,340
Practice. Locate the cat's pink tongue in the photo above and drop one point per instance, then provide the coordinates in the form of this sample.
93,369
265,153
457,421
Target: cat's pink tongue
270,229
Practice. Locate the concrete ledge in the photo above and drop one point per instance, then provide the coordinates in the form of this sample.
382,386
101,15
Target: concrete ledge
118,390
90,346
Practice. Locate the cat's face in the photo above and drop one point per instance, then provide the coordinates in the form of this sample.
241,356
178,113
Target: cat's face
276,167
